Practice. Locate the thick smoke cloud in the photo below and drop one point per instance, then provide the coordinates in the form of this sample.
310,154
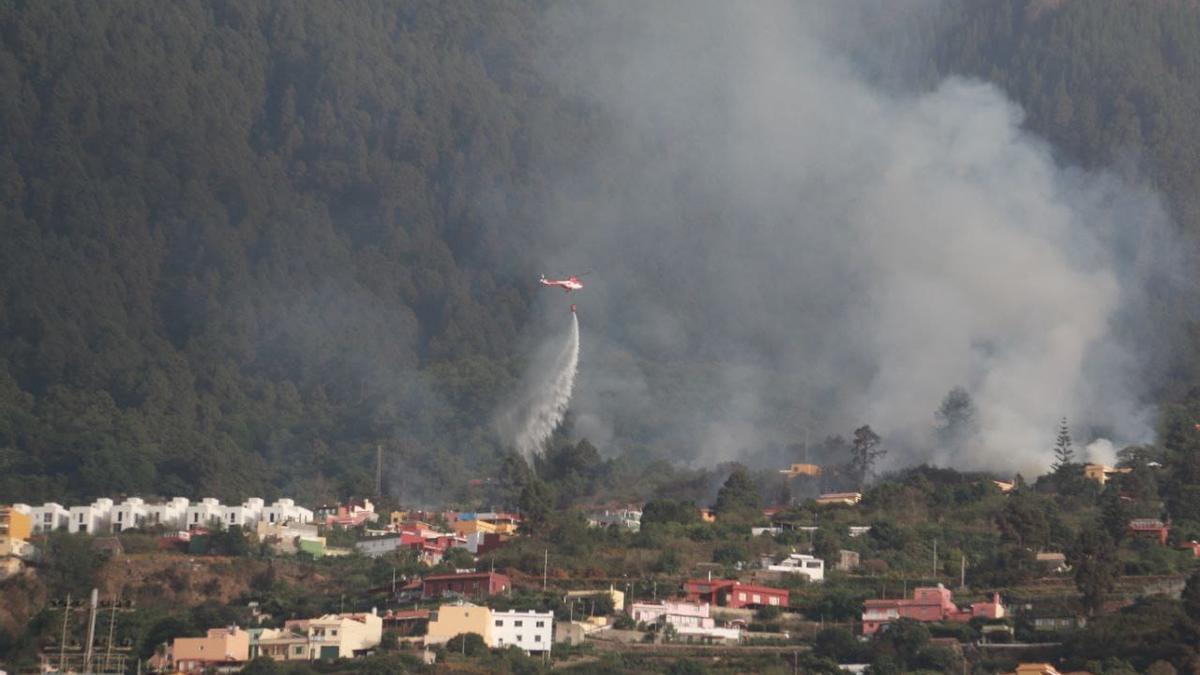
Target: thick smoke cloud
784,249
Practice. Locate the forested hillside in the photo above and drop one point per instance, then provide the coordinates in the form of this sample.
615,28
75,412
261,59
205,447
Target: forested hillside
246,243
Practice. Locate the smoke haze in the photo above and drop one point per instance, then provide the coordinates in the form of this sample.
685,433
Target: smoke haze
783,249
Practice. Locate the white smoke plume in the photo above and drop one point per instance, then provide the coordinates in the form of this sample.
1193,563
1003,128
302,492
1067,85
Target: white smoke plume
1100,451
545,395
785,249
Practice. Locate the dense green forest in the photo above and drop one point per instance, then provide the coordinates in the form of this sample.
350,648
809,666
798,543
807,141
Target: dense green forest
247,243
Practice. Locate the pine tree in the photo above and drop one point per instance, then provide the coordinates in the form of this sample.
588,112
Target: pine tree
864,451
1064,450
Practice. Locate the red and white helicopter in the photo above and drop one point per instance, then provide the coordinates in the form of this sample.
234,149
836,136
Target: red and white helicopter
571,283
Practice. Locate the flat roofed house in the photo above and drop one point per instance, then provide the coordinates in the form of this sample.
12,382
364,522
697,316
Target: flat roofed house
839,498
16,521
50,517
129,514
800,563
801,470
90,519
219,649
205,513
466,584
533,632
460,618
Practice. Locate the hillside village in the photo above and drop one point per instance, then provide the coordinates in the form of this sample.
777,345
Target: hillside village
527,337
826,584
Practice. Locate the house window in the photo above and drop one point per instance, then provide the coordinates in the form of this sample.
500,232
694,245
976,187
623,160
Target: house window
47,517
81,517
333,632
120,516
518,623
537,638
499,623
299,650
813,565
541,623
519,638
195,517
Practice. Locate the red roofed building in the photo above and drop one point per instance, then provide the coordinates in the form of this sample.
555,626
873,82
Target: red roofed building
467,584
927,604
1150,528
733,593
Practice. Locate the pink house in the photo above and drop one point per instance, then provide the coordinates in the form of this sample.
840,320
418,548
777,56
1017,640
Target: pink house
927,604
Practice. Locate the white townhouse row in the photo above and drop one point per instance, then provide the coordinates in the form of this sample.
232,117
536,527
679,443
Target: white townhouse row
103,516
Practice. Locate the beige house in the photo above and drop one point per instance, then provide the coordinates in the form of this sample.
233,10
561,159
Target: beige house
842,498
452,620
327,637
221,647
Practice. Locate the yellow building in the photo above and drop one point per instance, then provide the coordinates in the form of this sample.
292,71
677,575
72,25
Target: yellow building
1101,473
801,470
505,523
465,527
15,524
452,620
618,597
1036,669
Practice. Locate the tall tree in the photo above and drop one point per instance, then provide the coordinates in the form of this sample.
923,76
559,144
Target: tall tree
956,421
1064,450
864,452
1094,558
738,497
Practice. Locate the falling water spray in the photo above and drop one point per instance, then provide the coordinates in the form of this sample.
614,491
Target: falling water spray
546,394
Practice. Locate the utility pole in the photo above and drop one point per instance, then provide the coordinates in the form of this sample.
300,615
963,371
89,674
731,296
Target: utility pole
545,567
935,573
112,622
379,470
91,633
962,573
62,650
